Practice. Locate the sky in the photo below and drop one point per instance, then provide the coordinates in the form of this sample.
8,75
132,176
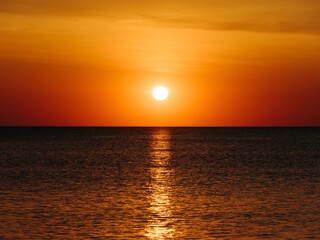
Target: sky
95,62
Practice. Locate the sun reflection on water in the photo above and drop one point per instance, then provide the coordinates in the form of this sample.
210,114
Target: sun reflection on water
160,225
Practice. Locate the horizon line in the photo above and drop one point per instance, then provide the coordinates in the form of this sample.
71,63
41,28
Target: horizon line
160,126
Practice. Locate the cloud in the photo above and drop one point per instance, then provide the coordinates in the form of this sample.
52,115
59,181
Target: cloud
55,7
263,24
290,16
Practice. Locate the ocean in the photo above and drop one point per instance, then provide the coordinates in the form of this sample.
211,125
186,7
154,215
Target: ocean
159,183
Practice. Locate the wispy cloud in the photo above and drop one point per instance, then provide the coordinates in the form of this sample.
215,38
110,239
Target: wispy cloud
56,7
296,16
263,24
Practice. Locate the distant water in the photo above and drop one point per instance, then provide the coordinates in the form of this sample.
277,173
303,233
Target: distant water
159,183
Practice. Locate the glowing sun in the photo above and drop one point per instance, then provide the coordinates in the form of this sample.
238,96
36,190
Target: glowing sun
160,93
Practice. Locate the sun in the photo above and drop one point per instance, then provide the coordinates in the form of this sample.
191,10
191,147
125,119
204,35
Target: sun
160,93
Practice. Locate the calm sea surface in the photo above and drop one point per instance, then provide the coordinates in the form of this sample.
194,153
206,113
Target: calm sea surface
160,183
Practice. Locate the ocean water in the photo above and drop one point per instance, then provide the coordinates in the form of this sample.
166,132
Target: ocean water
159,183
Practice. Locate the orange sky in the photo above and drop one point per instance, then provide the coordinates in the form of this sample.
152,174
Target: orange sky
95,62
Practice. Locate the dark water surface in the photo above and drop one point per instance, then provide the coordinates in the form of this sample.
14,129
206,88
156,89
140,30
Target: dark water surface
160,183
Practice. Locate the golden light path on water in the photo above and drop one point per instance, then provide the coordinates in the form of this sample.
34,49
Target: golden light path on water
160,225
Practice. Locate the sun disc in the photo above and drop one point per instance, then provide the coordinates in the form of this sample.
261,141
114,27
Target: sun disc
160,93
